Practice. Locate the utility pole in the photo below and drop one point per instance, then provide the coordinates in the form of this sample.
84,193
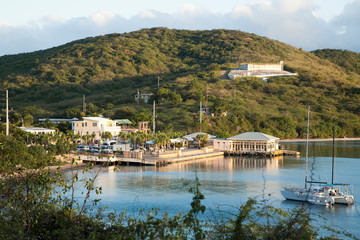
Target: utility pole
158,81
84,104
7,112
154,118
200,114
207,98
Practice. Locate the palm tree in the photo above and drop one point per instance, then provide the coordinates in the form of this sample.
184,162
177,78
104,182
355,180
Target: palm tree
107,135
161,139
123,136
202,139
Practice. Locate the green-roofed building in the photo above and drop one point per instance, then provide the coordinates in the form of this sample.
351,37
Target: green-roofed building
123,122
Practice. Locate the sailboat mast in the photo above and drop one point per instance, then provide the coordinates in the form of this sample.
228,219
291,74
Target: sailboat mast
333,157
307,146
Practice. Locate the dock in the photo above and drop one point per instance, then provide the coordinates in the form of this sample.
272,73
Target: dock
151,158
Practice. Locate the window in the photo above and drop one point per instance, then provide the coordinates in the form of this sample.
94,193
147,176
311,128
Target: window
82,124
94,124
86,124
218,145
223,145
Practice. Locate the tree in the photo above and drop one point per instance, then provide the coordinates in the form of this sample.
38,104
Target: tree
107,135
202,139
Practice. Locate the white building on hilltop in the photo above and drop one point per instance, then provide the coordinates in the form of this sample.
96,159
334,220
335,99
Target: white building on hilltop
261,70
95,125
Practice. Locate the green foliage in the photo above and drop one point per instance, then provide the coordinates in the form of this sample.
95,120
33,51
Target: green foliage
165,95
344,58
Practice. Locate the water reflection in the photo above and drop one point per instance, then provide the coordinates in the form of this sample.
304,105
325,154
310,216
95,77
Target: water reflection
346,149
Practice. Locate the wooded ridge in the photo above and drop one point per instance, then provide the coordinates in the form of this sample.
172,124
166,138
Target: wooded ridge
190,66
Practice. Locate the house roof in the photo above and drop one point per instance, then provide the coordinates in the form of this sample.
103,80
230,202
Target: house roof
37,129
193,135
96,118
123,121
253,136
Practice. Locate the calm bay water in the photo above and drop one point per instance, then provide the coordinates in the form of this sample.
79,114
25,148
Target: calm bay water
228,182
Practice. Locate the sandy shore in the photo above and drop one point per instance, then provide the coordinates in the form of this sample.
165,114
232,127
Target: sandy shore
319,139
67,166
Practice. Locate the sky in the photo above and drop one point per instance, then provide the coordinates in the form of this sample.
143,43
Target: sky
30,25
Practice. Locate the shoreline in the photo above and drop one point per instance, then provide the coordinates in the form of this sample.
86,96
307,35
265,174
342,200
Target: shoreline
318,139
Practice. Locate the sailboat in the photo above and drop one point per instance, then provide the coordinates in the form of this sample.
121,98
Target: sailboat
313,194
340,192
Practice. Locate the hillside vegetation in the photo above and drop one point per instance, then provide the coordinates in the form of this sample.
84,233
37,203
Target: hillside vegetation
350,61
110,69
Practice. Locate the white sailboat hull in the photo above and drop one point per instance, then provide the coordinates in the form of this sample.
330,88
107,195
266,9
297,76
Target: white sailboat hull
307,195
296,194
347,199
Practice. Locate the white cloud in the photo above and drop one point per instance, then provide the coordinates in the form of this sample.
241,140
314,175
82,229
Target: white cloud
102,18
293,24
293,6
187,8
147,14
242,11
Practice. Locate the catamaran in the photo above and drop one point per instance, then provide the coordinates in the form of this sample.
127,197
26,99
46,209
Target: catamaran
312,194
341,193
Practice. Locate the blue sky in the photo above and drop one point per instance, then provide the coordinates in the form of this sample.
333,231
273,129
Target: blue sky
27,26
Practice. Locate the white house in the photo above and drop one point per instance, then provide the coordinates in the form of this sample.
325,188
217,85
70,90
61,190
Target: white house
95,125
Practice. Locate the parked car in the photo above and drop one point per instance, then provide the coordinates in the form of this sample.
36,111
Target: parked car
95,150
107,151
83,148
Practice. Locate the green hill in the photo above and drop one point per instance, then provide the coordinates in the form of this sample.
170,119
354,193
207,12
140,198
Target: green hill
110,69
350,61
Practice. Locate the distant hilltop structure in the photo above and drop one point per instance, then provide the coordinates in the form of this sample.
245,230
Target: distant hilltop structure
261,70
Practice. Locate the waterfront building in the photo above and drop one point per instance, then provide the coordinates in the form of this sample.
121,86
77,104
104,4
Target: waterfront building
95,125
254,142
249,142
